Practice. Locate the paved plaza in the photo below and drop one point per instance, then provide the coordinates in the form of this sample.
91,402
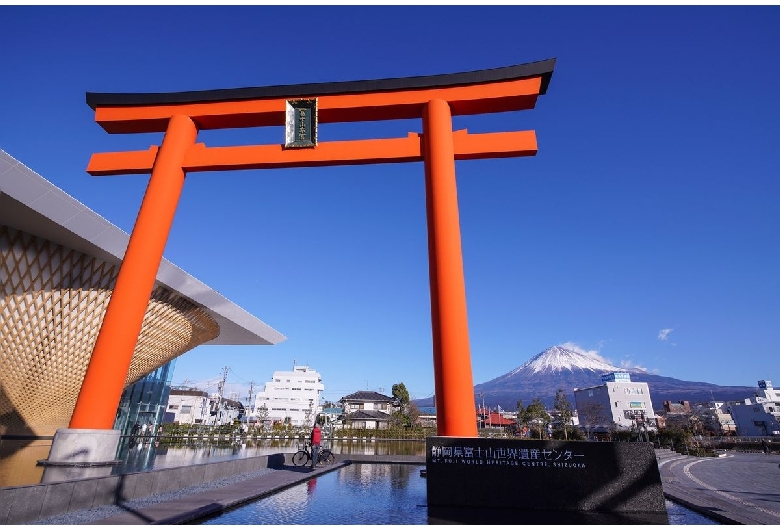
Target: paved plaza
738,488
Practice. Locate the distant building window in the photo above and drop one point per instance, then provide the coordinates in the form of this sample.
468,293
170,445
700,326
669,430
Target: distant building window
173,407
186,409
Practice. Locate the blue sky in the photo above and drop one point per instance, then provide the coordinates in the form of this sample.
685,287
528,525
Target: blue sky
645,230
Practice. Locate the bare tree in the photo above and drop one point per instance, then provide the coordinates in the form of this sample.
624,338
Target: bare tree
565,413
593,414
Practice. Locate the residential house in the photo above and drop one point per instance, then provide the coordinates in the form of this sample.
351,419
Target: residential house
368,410
494,420
427,417
330,417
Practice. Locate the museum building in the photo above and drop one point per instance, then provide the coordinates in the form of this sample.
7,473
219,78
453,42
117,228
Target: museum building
58,264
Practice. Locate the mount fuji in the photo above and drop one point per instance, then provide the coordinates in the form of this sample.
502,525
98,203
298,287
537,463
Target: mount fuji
560,367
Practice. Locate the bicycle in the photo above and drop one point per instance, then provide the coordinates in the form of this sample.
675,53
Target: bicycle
303,456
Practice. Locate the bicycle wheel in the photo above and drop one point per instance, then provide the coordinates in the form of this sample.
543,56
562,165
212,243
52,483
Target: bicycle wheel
301,458
327,457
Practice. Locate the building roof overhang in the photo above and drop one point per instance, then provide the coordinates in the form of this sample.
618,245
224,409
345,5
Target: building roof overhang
30,203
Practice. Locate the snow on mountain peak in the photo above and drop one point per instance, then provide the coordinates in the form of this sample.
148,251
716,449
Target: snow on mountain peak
557,358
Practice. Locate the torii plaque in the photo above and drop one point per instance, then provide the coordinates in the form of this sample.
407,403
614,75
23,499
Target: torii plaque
180,115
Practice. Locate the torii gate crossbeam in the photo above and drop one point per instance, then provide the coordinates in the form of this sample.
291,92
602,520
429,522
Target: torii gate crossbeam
433,99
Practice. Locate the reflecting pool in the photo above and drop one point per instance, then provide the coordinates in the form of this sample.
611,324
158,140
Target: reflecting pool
356,494
18,459
395,494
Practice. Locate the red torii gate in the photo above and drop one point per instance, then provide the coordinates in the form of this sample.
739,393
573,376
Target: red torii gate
181,115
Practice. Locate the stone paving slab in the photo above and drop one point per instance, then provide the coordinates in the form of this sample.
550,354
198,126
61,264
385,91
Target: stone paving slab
212,502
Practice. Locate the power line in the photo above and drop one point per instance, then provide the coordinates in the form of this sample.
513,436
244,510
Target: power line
239,377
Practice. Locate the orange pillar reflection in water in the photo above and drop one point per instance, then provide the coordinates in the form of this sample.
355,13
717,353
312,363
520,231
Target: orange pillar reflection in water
455,410
110,361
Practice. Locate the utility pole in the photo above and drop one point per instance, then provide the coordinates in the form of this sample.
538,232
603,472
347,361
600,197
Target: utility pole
220,390
251,387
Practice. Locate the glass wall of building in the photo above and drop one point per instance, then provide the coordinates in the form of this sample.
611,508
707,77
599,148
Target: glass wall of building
142,406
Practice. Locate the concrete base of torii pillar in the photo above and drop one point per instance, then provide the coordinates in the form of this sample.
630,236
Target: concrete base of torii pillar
81,453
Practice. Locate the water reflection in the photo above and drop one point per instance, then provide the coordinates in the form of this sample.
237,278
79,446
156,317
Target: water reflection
396,494
356,494
18,459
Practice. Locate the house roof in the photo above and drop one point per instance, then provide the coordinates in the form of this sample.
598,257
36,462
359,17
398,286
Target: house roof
368,415
367,395
233,404
32,204
497,420
188,392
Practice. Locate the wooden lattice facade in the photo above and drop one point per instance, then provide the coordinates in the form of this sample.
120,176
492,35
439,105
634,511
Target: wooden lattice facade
52,303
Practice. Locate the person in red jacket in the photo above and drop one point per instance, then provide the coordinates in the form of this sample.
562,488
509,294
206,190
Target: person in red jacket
315,439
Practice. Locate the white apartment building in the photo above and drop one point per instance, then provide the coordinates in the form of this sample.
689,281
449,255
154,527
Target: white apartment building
187,406
617,403
190,405
290,397
759,416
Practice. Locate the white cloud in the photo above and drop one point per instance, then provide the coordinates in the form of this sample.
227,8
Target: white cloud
628,364
576,348
664,333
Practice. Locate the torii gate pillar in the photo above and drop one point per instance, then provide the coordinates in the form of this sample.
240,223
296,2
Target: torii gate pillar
454,387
